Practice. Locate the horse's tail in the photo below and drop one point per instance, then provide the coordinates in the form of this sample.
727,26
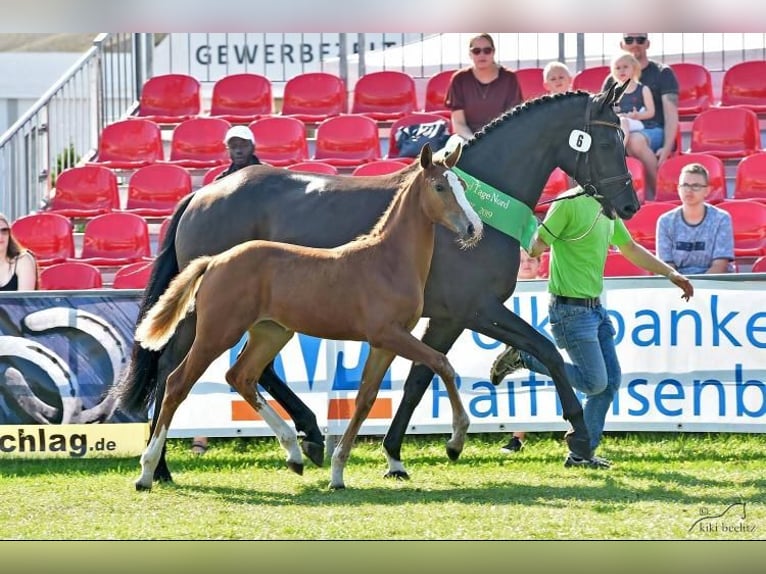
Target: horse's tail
161,321
136,387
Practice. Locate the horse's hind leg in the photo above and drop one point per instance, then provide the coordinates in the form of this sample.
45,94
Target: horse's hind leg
265,341
177,388
440,335
376,366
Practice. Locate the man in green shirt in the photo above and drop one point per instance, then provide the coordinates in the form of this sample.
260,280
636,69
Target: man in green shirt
579,235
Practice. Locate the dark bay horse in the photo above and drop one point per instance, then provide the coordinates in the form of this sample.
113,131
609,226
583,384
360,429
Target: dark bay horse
370,289
465,290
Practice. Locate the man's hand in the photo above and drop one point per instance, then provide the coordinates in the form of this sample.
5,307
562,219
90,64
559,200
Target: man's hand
683,283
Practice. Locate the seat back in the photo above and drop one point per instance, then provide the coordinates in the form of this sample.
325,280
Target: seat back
695,88
379,167
748,219
558,181
212,173
132,275
198,142
385,95
170,98
531,82
130,143
750,179
85,191
590,79
759,266
48,235
314,167
163,232
726,132
643,225
743,85
71,275
408,120
314,96
156,189
436,92
241,97
115,238
347,140
670,170
638,173
617,265
279,140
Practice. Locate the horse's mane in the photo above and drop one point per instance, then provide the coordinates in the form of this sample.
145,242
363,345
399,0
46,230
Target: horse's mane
520,109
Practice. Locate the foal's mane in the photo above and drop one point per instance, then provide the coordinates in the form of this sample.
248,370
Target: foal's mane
516,111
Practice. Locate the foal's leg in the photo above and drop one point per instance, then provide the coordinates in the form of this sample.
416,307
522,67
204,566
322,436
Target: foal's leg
177,388
265,341
374,368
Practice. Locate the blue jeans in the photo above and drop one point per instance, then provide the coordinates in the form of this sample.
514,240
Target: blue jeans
655,137
587,334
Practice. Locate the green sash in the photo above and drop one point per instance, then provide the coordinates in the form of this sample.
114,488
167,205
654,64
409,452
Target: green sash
499,210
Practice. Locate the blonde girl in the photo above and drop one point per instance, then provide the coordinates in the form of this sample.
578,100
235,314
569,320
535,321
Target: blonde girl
636,103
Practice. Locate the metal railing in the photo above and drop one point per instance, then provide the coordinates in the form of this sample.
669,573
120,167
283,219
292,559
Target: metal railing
63,126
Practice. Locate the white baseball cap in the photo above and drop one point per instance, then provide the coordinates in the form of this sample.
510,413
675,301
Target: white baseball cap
242,132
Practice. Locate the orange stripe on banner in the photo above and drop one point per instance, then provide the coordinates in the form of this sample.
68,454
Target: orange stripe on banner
343,409
242,411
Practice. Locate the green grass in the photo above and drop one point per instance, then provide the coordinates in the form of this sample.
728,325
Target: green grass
659,486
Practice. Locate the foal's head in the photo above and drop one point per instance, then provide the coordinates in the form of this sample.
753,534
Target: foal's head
443,197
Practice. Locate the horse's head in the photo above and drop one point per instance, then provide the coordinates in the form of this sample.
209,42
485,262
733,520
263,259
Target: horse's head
600,168
444,197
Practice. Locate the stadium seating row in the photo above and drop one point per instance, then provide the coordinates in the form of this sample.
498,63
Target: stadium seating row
77,275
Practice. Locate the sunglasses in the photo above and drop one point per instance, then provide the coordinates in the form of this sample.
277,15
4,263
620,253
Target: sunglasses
637,39
5,231
484,50
692,186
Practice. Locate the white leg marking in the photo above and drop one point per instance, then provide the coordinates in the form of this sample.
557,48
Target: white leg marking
285,434
150,458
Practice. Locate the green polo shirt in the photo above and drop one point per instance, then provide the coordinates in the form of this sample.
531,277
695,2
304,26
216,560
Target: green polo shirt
579,235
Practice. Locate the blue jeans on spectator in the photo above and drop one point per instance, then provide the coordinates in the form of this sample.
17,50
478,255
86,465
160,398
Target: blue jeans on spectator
587,334
655,137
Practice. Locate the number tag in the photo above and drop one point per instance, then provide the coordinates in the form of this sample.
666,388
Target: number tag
579,140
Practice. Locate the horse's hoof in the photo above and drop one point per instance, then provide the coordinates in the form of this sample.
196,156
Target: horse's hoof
296,467
578,445
397,475
314,451
142,487
163,476
453,453
340,486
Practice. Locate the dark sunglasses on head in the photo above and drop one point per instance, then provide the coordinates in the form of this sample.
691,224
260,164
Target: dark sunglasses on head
637,39
484,50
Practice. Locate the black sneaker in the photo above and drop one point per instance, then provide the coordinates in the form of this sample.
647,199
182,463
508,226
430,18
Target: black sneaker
514,445
592,462
506,363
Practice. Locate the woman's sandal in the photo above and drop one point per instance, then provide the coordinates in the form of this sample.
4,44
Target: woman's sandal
198,447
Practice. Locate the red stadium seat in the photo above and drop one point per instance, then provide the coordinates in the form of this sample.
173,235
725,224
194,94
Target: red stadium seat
213,172
695,88
750,180
385,96
436,92
643,225
408,120
129,144
759,266
670,170
743,85
132,276
531,82
198,143
379,167
85,191
314,96
280,141
169,99
71,275
47,235
241,98
155,190
590,79
748,218
115,239
617,265
347,140
726,132
558,181
545,262
163,232
314,167
638,173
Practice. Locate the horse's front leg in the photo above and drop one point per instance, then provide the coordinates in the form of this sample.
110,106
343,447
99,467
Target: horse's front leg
440,335
376,366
